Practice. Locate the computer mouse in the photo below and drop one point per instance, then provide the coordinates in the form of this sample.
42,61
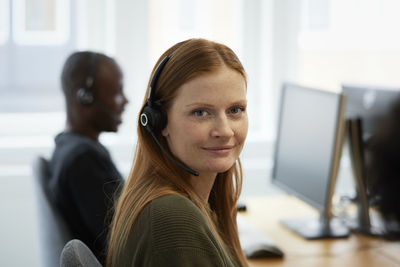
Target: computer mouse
257,251
241,207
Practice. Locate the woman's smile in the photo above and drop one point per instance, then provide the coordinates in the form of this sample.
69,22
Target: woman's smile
219,150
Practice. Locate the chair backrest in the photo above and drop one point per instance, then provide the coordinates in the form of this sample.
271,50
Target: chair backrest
77,254
53,230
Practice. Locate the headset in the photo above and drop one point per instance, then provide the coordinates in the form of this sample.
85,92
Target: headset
85,94
154,119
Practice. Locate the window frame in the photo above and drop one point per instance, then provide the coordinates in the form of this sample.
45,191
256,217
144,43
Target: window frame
5,16
60,35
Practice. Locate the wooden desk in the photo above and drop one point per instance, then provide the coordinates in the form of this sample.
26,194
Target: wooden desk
356,250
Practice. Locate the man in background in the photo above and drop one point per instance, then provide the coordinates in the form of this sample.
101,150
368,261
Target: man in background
84,180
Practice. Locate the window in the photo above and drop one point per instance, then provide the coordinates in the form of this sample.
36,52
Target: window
40,22
4,21
356,42
176,20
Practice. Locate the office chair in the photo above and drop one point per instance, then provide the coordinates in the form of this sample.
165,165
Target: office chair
77,254
53,230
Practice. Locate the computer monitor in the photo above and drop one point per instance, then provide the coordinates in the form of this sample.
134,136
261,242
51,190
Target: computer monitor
369,104
366,109
307,155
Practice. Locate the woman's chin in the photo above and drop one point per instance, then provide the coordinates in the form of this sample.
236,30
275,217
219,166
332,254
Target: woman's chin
220,168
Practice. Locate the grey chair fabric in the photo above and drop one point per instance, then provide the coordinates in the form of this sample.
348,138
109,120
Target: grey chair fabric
77,254
53,230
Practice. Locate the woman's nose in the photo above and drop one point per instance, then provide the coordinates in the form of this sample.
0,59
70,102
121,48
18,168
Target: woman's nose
222,128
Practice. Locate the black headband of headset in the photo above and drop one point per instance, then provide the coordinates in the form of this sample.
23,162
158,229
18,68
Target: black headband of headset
92,66
152,116
154,79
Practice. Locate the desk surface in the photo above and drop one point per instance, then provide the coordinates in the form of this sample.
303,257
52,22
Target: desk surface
356,250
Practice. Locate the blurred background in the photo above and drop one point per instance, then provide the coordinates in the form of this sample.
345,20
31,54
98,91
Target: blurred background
320,43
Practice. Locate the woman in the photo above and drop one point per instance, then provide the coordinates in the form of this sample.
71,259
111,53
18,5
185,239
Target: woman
178,206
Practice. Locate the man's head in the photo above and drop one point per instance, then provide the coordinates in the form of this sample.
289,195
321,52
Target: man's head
92,85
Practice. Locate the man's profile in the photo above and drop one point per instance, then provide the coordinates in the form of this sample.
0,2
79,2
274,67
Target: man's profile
84,180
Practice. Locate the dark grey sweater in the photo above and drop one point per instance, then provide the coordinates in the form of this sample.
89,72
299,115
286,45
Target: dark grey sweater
172,231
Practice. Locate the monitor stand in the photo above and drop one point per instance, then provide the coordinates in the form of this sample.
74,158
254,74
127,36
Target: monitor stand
362,223
317,228
358,225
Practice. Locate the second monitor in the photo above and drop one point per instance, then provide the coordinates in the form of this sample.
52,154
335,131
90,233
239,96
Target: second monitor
307,155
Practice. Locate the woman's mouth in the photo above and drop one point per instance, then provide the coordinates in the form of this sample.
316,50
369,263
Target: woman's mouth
219,150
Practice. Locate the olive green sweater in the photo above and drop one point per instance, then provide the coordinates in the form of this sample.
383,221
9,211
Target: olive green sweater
172,231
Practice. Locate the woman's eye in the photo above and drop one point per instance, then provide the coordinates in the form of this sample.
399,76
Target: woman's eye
236,110
200,113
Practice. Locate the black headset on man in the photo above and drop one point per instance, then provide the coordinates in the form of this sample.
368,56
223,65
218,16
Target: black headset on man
154,119
85,94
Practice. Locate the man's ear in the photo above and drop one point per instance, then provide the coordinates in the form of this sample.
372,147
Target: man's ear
165,132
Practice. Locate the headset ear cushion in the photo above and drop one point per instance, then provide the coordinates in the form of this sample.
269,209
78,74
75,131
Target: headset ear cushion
154,118
85,96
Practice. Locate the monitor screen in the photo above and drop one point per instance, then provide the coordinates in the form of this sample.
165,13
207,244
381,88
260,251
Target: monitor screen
370,104
306,143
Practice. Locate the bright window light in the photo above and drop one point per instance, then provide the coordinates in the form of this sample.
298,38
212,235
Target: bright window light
41,22
350,25
4,21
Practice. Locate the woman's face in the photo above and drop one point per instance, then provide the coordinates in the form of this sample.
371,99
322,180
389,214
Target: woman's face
207,121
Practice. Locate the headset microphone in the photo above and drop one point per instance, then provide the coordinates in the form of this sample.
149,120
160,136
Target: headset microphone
193,172
154,119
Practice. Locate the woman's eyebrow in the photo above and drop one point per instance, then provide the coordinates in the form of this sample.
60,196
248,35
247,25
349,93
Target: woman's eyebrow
199,104
239,102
